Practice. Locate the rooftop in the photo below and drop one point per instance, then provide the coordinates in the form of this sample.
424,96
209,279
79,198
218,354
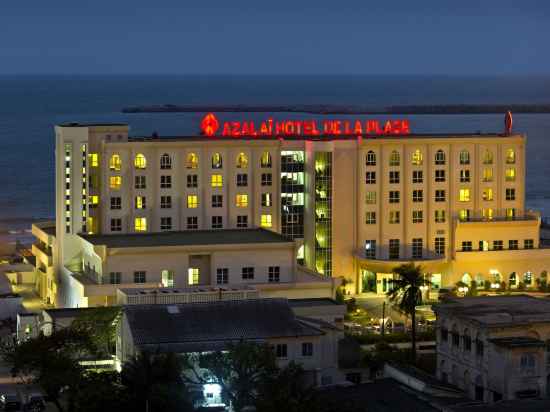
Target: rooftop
210,326
194,289
498,310
307,302
187,238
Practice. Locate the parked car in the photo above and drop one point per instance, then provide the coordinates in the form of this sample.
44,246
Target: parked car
10,402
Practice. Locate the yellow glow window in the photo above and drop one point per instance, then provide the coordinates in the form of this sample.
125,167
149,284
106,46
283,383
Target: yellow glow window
216,180
140,202
115,163
94,199
192,201
242,200
193,275
510,174
140,162
464,195
94,160
487,194
140,224
115,182
265,221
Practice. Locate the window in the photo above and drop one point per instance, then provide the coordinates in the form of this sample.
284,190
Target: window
370,178
242,179
115,278
140,224
464,157
265,160
140,202
370,198
217,161
222,276
165,161
510,174
394,196
371,158
498,245
528,363
439,216
192,223
266,179
439,195
241,200
370,249
265,221
192,201
266,199
242,161
487,213
140,162
115,163
513,244
193,276
274,274
115,182
370,218
395,158
465,176
417,158
394,176
165,182
307,349
487,194
166,223
510,194
140,276
242,221
247,273
440,175
192,181
488,157
281,350
116,225
394,216
467,246
440,157
418,216
216,180
192,161
116,203
487,174
417,176
440,245
394,249
94,158
139,182
217,222
510,156
417,248
217,201
464,195
510,212
167,278
464,214
166,202
418,195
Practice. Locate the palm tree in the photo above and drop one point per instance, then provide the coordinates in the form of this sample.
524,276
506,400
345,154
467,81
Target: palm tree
406,294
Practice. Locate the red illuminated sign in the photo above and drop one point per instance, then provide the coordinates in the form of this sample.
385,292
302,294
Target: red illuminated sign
312,127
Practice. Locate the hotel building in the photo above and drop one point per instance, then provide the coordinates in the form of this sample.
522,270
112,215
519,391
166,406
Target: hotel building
323,205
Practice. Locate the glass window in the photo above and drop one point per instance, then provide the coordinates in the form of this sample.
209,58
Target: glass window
165,161
510,156
465,176
464,157
394,196
487,194
395,158
265,220
242,221
528,244
371,198
370,178
439,245
418,195
192,201
394,249
281,350
371,158
439,216
487,174
274,274
510,194
464,195
266,179
265,160
216,180
140,202
115,163
116,225
417,176
193,276
115,182
217,201
116,203
140,276
498,245
439,195
165,182
140,224
241,200
192,181
140,162
192,222
417,216
467,246
167,278
440,175
94,158
217,222
242,161
417,248
166,223
247,273
417,158
370,218
140,182
192,161
242,180
266,199
394,176
440,157
464,214
307,349
222,276
115,278
370,249
513,244
510,174
217,161
394,216
488,157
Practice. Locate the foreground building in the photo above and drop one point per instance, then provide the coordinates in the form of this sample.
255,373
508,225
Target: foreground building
354,199
495,348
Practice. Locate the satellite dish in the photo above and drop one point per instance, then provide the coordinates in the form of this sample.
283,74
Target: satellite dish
508,123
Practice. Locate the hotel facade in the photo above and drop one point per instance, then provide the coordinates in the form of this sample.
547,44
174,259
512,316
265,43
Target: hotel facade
314,206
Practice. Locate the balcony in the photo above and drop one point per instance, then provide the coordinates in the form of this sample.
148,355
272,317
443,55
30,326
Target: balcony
501,216
42,253
383,263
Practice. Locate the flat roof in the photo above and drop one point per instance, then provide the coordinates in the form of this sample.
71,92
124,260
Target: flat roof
307,302
498,310
187,238
196,289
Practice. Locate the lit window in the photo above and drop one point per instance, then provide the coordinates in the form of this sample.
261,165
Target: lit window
510,174
417,158
94,159
265,221
140,162
193,275
216,180
488,174
440,157
192,201
439,216
165,161
242,200
464,157
192,161
395,158
115,163
94,200
487,194
510,212
464,214
140,202
487,213
167,278
265,160
266,199
371,198
510,156
394,216
464,195
488,157
242,161
140,224
115,182
217,161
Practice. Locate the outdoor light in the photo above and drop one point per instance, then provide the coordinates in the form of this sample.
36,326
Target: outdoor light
495,285
463,289
423,288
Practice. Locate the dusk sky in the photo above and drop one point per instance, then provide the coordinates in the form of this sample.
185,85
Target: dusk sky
275,37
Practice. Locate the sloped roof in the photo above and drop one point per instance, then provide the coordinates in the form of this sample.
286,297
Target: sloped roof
208,326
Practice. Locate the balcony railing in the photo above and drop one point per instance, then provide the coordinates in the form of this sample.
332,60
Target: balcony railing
501,215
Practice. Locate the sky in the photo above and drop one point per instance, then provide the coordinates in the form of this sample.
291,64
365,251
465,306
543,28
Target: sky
422,37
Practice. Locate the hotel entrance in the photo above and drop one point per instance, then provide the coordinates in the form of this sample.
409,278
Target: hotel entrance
379,283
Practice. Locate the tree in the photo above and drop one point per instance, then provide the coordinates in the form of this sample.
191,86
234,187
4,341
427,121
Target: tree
100,324
99,392
406,294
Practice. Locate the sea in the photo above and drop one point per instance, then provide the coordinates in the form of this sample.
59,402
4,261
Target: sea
31,105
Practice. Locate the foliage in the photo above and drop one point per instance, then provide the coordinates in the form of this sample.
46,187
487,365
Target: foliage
100,324
339,296
99,392
383,353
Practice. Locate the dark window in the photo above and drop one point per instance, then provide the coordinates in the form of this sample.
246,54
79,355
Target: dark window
140,277
417,176
498,245
417,248
116,225
115,278
242,221
217,222
394,176
274,273
394,249
513,244
166,202
140,182
370,249
440,245
467,246
222,276
394,196
510,194
281,350
247,273
116,203
192,181
242,179
370,178
307,349
439,195
217,200
192,223
166,223
440,175
266,179
418,195
528,244
165,182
